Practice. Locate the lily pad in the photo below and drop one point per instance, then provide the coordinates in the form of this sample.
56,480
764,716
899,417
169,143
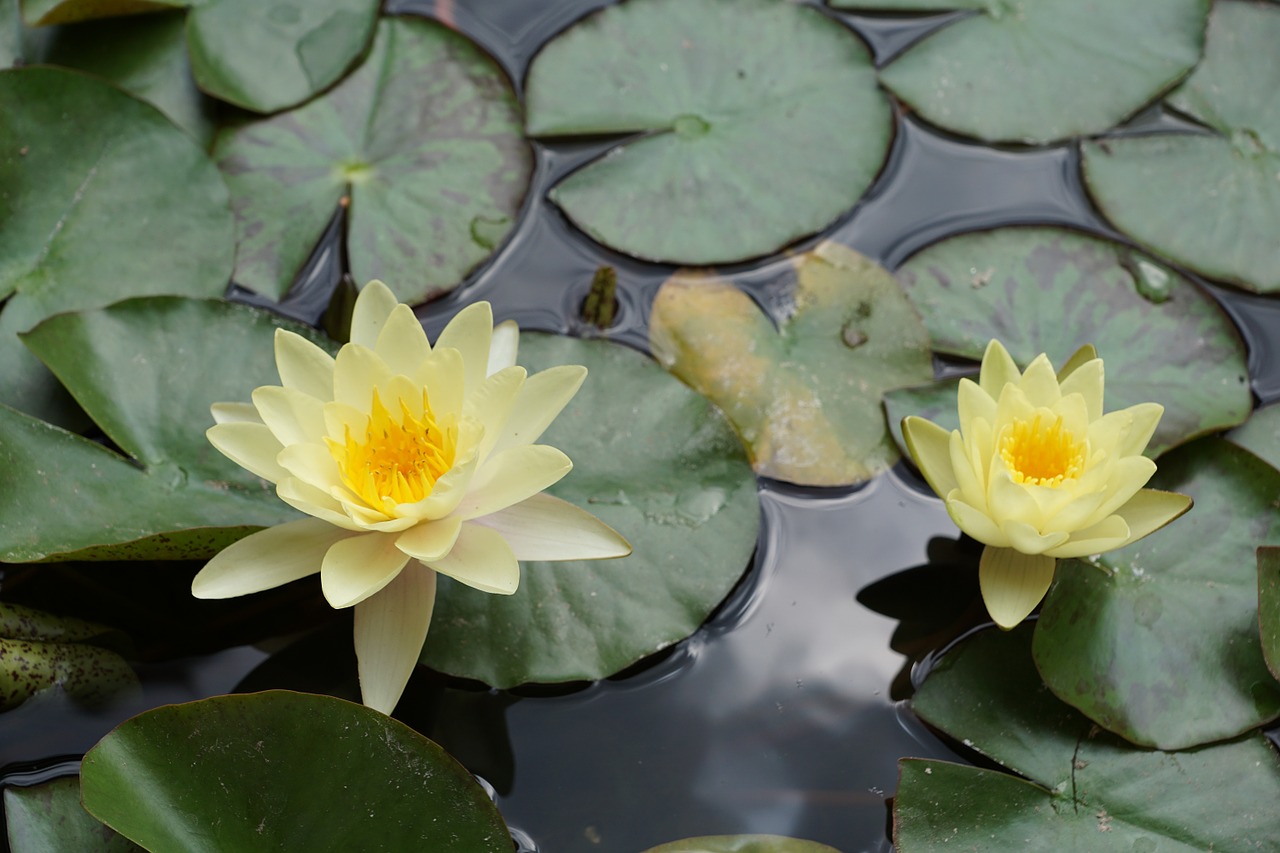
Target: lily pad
146,371
742,844
636,436
39,651
1159,641
1209,200
269,56
49,817
805,398
285,771
1261,434
424,140
1269,606
91,217
42,13
1083,789
1043,70
744,149
1052,290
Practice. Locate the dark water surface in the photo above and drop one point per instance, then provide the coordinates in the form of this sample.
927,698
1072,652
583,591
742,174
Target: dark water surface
777,716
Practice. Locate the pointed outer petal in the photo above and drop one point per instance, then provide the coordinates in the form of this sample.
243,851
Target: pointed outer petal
303,365
312,463
390,628
929,446
975,523
339,417
358,566
492,403
542,397
1146,417
1128,476
249,445
512,476
447,494
972,402
1009,501
1106,535
481,559
470,333
293,417
233,413
1086,380
266,559
314,502
442,374
966,472
1028,540
1149,510
997,370
1040,383
1012,583
402,343
1077,360
1109,431
504,347
980,447
430,540
1076,514
374,305
548,528
356,372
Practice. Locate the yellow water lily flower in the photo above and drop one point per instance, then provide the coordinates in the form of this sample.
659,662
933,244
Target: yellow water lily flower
1037,472
410,460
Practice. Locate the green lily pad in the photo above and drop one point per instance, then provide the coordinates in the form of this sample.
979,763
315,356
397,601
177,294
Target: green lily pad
39,650
805,398
146,371
635,435
42,13
1261,434
91,217
1052,290
1269,606
1045,70
1083,789
49,817
1208,200
269,56
284,771
423,138
1159,641
744,149
742,844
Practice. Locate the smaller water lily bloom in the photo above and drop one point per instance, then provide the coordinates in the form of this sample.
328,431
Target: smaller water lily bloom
1037,471
410,460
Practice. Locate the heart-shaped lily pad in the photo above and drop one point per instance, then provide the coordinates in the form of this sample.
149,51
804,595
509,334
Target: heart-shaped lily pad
1051,290
656,462
268,56
1260,434
39,650
1043,70
805,398
42,13
1269,606
1208,200
1159,642
762,122
285,771
146,370
742,844
90,217
423,138
1082,789
49,817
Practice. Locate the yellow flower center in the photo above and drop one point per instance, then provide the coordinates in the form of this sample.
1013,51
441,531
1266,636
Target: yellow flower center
1042,453
396,459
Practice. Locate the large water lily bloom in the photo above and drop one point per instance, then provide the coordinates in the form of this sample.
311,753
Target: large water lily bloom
409,460
1037,472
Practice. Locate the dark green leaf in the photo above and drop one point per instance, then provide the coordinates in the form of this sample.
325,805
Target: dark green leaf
41,13
1261,434
1269,606
48,818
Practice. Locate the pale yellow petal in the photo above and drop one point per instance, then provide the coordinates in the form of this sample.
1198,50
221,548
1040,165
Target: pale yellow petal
249,445
1040,383
1087,381
481,559
547,528
303,365
512,476
492,404
1109,432
291,415
1110,533
1026,539
1012,405
230,413
470,333
542,397
448,492
997,370
356,372
1012,583
312,463
339,417
973,522
1127,477
374,305
307,498
1077,513
973,402
390,628
1146,417
968,476
1010,501
1150,509
929,446
402,343
504,346
430,540
267,559
443,375
355,568
1074,411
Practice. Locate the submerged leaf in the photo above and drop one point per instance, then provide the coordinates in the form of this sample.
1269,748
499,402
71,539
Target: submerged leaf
742,844
42,13
49,817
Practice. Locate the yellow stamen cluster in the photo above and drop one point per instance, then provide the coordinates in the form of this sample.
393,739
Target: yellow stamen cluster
1042,453
395,460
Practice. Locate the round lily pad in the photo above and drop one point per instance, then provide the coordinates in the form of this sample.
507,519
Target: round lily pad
805,397
42,13
656,462
423,139
285,771
1159,641
742,844
1043,70
1269,605
91,217
761,122
49,817
1209,200
268,56
1051,290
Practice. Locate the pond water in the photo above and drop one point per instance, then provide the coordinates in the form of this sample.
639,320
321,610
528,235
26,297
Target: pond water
782,714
